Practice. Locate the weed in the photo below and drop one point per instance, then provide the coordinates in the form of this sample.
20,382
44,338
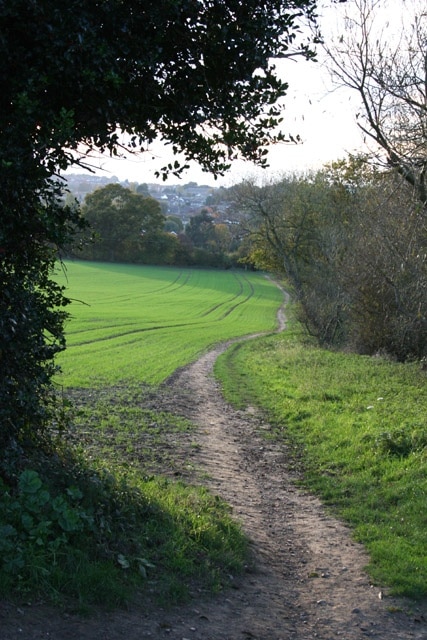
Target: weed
98,525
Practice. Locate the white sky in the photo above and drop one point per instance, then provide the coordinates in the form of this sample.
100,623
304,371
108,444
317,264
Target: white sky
324,118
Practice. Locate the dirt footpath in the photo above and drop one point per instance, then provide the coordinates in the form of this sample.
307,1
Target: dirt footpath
307,579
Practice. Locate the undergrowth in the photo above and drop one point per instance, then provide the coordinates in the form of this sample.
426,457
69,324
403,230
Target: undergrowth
94,525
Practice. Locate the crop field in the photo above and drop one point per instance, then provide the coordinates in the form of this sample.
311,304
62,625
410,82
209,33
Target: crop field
140,323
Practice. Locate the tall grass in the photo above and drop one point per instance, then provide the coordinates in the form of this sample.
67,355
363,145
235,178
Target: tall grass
142,323
360,425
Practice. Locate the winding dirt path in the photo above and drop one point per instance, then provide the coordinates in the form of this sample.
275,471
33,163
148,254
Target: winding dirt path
306,580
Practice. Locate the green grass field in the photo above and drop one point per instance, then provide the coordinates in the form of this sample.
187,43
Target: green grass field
140,323
106,518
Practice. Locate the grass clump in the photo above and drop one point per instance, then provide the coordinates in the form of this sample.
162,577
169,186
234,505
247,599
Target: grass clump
359,426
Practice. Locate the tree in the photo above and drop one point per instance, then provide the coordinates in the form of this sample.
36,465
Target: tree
200,75
211,242
385,273
201,229
173,224
351,242
222,238
294,226
383,57
386,63
120,219
142,189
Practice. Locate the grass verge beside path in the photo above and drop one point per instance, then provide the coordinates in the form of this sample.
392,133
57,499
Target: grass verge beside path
359,426
107,519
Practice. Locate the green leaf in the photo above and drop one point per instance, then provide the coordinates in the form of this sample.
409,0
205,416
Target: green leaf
123,561
29,482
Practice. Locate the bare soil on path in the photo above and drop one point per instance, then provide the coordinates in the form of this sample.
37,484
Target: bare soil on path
306,579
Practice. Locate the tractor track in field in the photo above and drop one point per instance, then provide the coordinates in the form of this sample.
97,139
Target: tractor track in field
306,578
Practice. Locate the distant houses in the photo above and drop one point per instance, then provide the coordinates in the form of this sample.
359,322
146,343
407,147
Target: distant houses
180,200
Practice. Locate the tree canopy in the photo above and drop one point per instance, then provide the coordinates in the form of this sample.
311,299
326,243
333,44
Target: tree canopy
201,229
120,219
198,74
385,62
351,242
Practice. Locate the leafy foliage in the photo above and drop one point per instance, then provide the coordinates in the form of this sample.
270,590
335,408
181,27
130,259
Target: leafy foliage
32,519
123,223
95,534
199,74
201,229
31,304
